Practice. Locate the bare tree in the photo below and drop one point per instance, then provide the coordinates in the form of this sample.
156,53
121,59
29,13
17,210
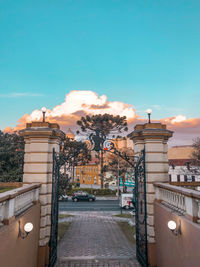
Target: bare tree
196,152
120,167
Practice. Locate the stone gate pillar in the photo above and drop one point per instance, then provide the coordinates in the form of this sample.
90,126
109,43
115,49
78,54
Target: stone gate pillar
40,139
153,137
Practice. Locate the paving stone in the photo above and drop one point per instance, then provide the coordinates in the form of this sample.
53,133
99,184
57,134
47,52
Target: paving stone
97,241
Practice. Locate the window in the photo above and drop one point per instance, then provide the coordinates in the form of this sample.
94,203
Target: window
178,178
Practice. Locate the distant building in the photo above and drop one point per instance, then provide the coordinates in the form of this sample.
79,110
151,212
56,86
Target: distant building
181,168
180,155
88,174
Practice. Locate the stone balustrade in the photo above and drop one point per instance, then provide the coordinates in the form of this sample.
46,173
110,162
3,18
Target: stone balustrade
16,201
180,199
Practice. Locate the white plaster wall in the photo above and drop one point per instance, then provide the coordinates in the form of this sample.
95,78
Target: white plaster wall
157,177
45,210
157,167
37,178
44,199
151,147
38,157
156,157
40,168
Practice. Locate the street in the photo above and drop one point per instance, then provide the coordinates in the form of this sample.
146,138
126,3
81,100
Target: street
98,205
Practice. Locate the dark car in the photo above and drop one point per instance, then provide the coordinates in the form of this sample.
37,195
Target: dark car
84,196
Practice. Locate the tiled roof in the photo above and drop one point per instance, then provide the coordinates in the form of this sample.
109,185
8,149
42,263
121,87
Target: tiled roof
180,152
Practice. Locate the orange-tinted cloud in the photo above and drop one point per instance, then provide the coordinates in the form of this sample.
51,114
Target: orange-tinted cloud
185,130
77,104
81,103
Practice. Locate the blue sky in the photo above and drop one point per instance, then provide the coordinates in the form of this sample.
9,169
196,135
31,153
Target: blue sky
144,53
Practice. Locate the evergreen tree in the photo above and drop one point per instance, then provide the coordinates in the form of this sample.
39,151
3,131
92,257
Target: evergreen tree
72,154
99,127
11,157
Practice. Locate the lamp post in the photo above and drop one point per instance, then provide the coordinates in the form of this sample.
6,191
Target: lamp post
43,113
148,111
118,178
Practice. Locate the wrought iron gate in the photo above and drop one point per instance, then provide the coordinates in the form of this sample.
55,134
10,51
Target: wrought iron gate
141,213
54,211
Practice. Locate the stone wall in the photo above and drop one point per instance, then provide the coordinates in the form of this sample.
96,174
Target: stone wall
19,205
172,250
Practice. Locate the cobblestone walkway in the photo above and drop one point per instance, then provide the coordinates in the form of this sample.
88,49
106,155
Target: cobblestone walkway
95,241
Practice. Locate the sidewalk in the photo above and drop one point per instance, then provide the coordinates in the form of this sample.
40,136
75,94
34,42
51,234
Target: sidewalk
106,198
95,240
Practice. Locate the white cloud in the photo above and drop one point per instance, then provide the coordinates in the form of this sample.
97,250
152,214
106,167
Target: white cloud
86,102
176,119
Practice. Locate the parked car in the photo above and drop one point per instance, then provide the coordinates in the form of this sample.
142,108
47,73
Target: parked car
63,198
84,196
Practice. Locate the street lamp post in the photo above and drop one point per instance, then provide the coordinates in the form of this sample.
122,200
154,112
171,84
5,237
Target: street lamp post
43,113
148,111
118,178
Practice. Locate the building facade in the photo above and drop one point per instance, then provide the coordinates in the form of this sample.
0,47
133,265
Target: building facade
181,168
88,174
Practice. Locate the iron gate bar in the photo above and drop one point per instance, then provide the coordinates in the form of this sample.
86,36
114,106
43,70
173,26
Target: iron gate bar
141,211
140,202
54,211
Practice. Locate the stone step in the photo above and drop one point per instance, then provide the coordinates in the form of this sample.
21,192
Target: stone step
91,262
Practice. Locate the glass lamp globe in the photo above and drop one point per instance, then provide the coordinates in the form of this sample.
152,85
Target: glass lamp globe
28,227
148,111
44,109
172,225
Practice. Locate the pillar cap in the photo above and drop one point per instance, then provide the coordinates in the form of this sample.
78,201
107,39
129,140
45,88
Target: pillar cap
42,129
42,124
150,131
